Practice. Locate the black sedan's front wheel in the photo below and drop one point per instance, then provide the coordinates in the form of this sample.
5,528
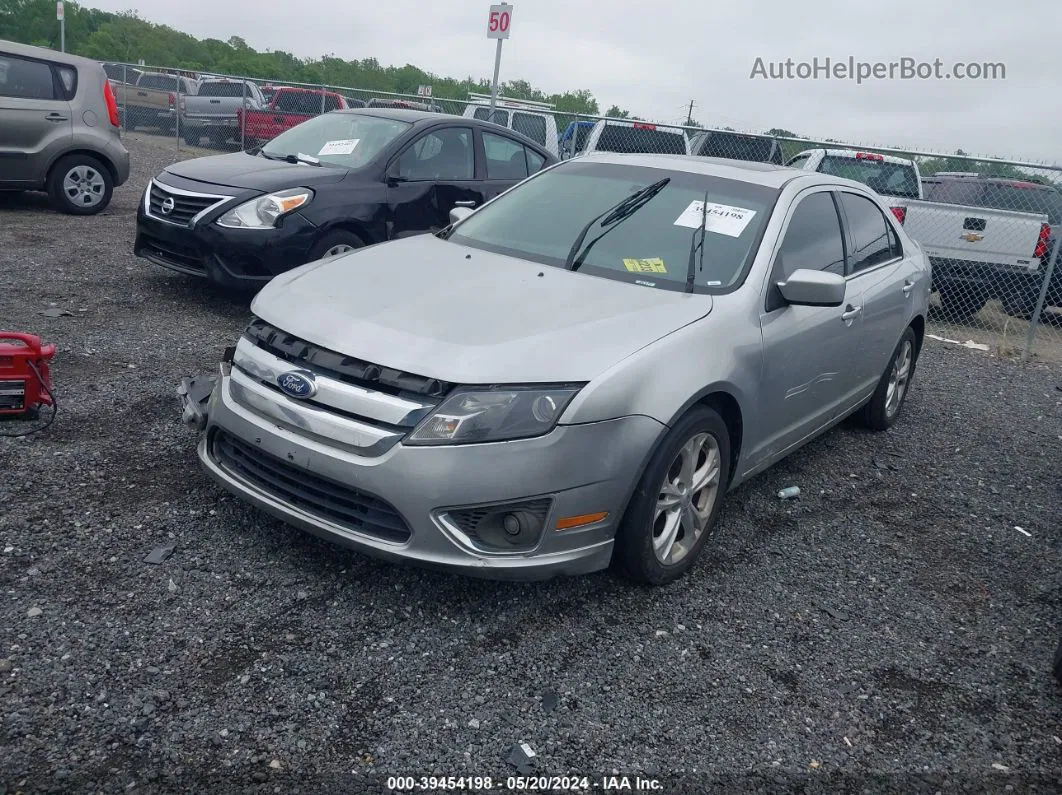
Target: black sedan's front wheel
674,508
335,244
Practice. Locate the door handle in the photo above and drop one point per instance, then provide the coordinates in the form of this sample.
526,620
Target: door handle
56,117
851,313
908,285
467,203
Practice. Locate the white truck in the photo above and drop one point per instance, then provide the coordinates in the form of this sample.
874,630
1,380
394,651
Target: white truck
527,117
885,174
987,237
212,111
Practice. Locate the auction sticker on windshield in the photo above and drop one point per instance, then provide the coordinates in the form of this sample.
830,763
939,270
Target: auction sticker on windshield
345,147
651,265
723,219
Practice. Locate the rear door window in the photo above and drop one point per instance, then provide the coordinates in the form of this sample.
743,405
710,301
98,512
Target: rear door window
534,127
505,157
26,79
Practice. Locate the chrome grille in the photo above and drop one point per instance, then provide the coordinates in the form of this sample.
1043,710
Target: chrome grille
178,207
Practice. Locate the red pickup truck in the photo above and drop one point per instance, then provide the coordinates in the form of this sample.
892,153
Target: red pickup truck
287,108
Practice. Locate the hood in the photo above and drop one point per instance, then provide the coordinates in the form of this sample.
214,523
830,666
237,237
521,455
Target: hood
241,170
438,309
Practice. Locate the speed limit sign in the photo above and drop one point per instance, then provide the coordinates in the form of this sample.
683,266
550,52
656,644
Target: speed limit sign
500,21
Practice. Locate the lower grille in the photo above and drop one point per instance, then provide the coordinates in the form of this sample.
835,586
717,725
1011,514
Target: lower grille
342,505
182,258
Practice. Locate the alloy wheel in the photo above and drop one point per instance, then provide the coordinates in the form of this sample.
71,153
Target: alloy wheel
686,499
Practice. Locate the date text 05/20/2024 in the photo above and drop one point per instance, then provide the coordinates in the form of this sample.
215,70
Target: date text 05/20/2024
523,784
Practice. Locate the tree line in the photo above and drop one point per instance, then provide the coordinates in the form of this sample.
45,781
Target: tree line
127,38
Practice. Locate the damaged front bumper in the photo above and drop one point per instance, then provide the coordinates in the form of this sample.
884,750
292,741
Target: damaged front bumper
194,394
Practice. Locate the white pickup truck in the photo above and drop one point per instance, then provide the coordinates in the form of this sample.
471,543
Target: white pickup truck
986,238
212,111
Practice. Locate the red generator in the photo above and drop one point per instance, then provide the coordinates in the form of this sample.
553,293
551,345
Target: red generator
25,385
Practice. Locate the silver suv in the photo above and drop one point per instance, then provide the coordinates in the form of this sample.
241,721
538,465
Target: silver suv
59,128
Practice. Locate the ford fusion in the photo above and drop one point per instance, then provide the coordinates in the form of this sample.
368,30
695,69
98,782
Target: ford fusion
573,374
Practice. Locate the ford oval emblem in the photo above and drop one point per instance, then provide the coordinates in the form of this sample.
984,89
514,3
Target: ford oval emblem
297,384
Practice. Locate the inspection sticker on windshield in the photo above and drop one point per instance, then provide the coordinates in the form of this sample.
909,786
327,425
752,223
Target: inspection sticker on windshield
652,265
722,218
340,147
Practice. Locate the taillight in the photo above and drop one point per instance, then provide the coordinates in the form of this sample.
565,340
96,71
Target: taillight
900,213
868,156
1041,244
173,100
112,105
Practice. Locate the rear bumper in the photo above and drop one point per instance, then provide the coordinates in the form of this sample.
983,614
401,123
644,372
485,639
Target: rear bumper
995,280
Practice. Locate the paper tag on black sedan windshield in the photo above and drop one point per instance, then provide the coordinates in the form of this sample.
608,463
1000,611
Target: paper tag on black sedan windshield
345,147
723,219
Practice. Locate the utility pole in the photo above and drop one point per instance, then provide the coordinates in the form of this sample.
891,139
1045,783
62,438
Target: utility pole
689,116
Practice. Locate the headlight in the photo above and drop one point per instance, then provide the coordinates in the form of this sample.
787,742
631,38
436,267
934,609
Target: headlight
494,415
263,212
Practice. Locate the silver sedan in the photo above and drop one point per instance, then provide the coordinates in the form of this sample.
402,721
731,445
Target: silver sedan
574,373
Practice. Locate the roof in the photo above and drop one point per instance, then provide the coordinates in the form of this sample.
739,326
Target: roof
44,53
403,114
766,174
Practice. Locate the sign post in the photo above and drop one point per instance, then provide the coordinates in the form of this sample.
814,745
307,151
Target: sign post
61,16
499,23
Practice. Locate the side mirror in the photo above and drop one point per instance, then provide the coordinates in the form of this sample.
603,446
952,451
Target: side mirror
813,288
459,214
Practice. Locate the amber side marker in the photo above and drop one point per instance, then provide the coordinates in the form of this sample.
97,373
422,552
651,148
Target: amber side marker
568,522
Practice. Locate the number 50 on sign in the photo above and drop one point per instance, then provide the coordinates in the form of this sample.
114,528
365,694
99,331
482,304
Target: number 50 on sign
499,21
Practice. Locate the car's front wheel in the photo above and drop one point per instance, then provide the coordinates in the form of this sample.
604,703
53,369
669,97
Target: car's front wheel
675,505
335,244
80,185
884,407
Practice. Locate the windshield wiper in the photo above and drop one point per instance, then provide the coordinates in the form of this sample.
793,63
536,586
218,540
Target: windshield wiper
697,244
609,218
296,158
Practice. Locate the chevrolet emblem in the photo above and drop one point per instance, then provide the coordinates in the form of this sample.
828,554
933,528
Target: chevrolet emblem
972,237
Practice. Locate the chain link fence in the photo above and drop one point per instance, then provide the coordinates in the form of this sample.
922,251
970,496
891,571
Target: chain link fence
992,228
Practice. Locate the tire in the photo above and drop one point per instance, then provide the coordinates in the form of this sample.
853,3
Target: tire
642,550
1020,305
80,185
332,242
884,407
219,139
192,136
959,304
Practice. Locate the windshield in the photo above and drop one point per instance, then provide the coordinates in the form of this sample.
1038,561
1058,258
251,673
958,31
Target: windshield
1018,196
349,140
888,179
540,219
222,88
645,138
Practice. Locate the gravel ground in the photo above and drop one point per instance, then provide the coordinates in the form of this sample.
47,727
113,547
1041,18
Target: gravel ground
891,630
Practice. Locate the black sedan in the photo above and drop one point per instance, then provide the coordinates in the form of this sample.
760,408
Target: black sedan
337,182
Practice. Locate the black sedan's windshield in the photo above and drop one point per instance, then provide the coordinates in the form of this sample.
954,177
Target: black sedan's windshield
541,219
340,139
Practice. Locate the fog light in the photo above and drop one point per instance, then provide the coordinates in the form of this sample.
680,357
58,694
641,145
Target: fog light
512,527
511,523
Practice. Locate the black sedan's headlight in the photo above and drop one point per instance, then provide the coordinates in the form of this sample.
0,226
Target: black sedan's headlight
494,415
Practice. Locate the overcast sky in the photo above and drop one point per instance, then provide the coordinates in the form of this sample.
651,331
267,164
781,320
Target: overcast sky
654,57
